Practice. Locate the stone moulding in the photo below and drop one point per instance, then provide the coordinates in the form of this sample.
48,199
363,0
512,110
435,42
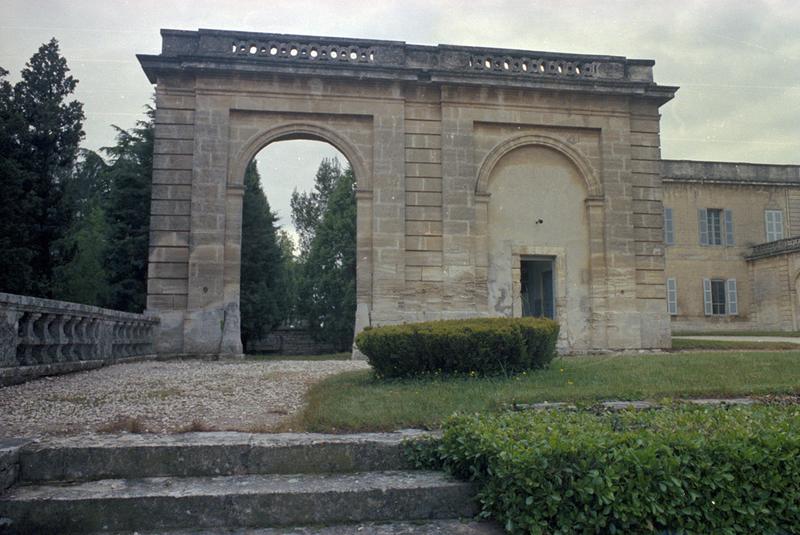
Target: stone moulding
774,248
47,337
219,50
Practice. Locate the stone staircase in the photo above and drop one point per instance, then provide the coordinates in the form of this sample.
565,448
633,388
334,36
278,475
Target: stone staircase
228,482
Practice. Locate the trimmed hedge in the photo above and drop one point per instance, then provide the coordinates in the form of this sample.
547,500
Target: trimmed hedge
676,470
484,346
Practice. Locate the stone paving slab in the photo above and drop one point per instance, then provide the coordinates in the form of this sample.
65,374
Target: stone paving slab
438,527
788,339
618,405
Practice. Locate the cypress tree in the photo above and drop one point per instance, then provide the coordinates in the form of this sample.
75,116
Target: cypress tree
44,146
16,201
263,296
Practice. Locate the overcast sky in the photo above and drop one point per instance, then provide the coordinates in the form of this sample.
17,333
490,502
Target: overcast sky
737,62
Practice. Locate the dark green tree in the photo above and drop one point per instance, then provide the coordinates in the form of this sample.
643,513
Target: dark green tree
307,208
263,298
128,214
43,153
328,285
292,269
83,279
16,201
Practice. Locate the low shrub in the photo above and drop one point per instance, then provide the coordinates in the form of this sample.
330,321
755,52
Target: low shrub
677,470
483,346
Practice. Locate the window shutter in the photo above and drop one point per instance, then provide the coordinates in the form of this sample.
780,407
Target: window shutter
729,227
669,234
778,222
733,302
702,223
672,297
707,296
768,224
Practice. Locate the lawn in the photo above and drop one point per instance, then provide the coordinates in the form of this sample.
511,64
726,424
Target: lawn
355,401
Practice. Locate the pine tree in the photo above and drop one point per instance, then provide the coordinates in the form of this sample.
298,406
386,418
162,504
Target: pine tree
263,297
128,214
42,156
328,286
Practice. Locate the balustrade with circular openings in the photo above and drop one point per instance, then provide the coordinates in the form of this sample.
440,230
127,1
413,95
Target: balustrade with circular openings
534,66
301,51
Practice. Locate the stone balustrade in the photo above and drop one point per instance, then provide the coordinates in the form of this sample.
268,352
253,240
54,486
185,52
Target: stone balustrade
777,247
46,337
204,49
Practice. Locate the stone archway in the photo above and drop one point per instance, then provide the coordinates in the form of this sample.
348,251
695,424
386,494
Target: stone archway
243,153
423,127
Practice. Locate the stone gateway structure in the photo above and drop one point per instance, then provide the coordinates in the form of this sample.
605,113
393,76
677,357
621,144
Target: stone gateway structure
490,182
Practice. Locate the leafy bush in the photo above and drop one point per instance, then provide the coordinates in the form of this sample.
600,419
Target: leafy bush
677,470
482,346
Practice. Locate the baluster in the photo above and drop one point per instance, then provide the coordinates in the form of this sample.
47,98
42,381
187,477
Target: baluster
9,337
56,332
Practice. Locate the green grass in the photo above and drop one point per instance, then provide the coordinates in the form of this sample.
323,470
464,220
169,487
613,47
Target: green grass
355,401
329,356
791,334
720,345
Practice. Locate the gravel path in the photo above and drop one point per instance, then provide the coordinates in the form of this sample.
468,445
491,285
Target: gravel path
164,397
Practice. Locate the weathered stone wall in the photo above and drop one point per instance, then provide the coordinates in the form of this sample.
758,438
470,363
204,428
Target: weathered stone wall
424,129
290,341
766,287
46,337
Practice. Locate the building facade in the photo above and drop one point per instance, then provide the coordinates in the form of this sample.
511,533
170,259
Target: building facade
489,182
732,245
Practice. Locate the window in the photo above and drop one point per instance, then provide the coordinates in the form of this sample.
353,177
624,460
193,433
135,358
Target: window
672,297
774,224
716,226
669,232
717,297
720,297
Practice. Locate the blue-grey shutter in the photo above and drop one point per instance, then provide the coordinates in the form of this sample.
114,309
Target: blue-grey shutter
702,223
669,234
728,227
672,297
733,301
707,296
768,225
778,224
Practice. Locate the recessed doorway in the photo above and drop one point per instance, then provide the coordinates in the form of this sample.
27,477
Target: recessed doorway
537,287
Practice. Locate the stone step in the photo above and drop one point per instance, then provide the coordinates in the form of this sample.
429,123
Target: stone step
434,527
95,457
272,500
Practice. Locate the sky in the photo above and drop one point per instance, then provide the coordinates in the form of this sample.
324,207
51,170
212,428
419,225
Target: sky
737,62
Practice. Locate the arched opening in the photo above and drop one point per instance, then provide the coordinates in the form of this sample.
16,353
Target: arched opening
538,239
297,291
